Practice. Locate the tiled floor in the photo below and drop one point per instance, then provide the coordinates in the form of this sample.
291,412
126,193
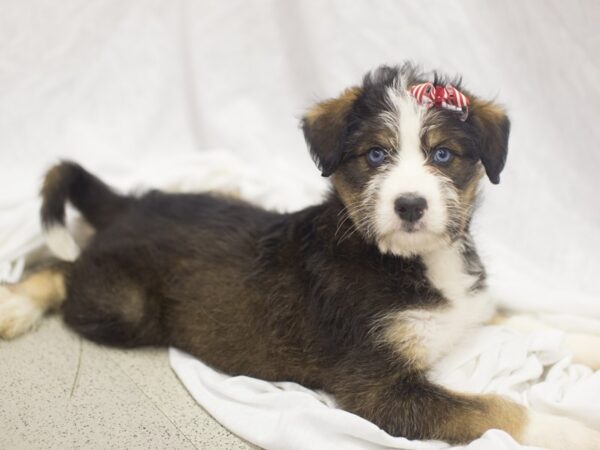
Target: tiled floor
62,392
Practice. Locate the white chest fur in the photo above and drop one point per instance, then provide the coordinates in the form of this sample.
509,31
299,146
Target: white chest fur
424,335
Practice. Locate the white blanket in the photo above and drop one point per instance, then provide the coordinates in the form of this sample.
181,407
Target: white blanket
287,416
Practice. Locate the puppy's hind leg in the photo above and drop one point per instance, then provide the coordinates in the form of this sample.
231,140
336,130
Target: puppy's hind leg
584,347
113,301
23,304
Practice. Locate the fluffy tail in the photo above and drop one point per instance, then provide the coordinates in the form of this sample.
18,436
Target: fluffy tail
97,202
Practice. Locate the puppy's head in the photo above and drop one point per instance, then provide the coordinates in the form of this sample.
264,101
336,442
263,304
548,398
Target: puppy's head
407,175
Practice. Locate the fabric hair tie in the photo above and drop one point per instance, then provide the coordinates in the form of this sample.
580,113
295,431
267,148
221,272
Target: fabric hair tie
447,97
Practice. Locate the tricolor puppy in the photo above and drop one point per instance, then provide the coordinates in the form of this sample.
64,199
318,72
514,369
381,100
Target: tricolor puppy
357,296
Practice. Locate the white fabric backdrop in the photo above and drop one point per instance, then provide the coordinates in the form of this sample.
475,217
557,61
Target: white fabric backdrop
138,90
113,82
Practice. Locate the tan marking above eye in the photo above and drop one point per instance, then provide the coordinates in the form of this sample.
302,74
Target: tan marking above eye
454,139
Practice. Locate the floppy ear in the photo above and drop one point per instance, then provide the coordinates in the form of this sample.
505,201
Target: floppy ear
325,127
493,128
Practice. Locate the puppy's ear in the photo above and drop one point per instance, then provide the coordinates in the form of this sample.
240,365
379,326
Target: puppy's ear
493,128
325,127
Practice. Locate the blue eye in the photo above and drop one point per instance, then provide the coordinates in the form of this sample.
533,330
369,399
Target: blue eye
376,156
442,156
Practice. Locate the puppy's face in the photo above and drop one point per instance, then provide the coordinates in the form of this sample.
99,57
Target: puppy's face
407,175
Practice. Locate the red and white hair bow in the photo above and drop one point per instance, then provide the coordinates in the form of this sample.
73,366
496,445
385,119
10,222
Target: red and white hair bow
447,97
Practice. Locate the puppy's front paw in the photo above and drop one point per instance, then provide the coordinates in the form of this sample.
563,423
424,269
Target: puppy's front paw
559,433
17,313
585,349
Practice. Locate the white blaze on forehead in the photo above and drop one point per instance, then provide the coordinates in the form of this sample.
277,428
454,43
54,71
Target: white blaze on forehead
409,122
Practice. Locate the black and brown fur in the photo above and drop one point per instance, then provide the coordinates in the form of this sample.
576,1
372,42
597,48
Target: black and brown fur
281,296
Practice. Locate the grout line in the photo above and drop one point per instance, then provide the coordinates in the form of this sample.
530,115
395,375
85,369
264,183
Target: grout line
78,370
152,401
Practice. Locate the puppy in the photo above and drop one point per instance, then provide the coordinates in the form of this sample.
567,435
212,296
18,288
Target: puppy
357,296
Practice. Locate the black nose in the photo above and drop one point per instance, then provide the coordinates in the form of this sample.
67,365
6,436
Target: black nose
410,207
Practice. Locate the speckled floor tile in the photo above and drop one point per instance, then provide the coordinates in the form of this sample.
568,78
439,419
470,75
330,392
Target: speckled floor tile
62,392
